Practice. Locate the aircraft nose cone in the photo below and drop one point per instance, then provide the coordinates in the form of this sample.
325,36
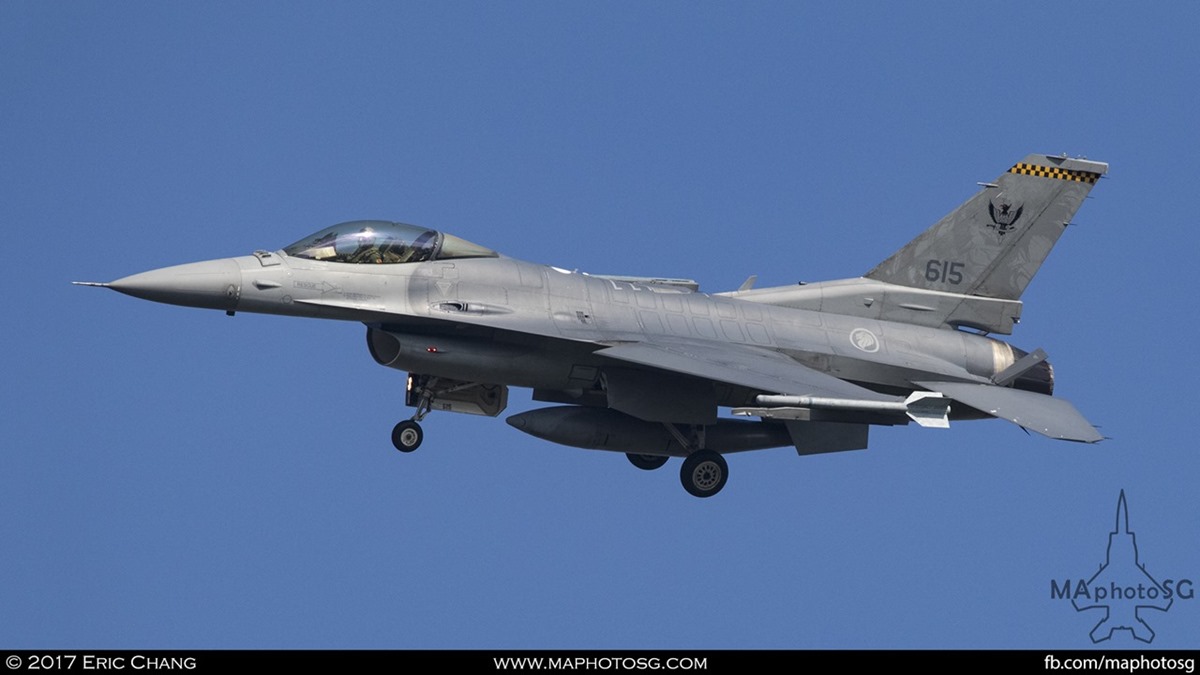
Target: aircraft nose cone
212,284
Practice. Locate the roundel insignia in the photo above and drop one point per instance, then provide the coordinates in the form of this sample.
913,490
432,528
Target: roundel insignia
864,340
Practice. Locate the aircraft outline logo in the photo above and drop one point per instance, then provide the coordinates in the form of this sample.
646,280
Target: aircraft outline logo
1110,588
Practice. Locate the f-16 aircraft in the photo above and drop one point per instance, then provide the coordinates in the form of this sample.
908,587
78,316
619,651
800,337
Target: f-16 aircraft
642,365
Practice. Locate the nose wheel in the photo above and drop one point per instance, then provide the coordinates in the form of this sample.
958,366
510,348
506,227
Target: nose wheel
407,436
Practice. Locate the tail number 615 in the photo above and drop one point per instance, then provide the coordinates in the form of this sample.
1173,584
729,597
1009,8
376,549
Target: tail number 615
944,271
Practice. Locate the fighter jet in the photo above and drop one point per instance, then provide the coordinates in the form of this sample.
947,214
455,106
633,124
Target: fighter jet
643,365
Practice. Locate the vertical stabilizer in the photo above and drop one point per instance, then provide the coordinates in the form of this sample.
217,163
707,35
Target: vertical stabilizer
993,244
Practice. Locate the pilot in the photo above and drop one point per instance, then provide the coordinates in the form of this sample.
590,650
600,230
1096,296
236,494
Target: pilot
393,252
368,251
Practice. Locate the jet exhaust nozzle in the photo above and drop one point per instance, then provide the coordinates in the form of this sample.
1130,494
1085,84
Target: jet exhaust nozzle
1038,378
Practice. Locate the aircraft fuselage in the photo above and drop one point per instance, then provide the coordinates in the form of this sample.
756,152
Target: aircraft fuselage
488,319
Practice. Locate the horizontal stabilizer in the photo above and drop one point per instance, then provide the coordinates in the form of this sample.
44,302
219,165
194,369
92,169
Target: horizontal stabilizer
1049,416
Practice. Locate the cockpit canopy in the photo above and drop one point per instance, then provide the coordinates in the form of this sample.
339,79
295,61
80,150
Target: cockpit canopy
378,241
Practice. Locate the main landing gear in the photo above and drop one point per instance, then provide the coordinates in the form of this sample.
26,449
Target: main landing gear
703,473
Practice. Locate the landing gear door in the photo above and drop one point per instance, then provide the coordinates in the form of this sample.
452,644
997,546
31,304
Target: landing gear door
427,394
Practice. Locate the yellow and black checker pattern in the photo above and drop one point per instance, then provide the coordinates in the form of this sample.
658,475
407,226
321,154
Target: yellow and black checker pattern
1054,172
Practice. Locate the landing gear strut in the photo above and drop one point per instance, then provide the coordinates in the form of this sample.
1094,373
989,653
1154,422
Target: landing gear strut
430,392
704,472
407,435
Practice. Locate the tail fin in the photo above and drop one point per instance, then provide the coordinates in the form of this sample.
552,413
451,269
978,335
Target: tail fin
993,244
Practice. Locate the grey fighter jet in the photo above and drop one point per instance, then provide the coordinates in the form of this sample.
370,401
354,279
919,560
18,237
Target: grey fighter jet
642,365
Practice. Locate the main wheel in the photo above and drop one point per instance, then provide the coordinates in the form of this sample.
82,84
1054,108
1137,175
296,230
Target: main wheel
647,462
704,473
407,436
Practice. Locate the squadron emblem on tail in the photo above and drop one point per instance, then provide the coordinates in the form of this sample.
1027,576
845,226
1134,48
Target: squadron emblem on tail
1004,216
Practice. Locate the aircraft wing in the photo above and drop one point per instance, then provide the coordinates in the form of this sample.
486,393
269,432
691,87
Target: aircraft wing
1049,416
740,365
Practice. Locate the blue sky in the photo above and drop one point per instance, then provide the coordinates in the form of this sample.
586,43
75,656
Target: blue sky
172,477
